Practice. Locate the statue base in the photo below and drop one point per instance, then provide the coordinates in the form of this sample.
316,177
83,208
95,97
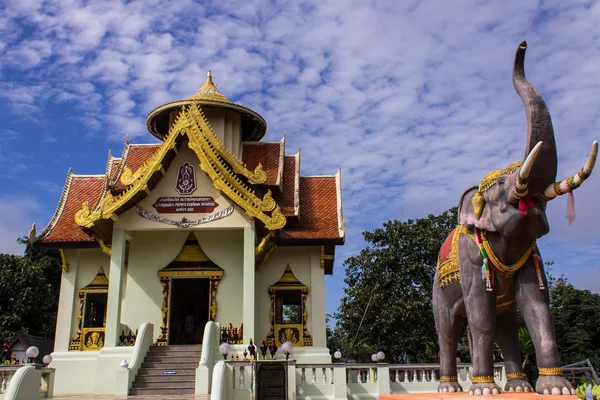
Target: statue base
465,396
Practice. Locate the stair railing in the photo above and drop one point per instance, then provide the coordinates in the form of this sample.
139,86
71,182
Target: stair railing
126,375
208,358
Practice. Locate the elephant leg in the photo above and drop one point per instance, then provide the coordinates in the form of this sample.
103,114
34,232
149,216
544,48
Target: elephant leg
481,313
450,328
534,305
507,337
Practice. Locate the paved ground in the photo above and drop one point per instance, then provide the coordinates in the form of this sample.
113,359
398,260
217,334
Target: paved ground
109,397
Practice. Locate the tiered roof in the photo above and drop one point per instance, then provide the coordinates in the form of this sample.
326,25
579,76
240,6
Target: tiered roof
294,210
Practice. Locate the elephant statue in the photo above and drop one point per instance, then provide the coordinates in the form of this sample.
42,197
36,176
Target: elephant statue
490,265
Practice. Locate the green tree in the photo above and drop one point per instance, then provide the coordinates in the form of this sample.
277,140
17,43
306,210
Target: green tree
393,277
27,302
29,289
576,315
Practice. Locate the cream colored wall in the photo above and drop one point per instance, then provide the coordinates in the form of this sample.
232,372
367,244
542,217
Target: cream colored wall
226,125
166,188
305,264
225,248
148,253
86,266
151,251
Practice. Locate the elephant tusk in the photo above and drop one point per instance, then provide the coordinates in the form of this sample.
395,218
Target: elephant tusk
521,184
572,183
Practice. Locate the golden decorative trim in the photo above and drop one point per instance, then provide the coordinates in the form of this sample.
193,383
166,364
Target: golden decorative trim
448,270
215,160
166,276
105,249
191,273
264,260
506,270
553,371
506,303
487,182
63,260
516,375
444,378
209,91
208,135
192,120
92,339
482,379
297,334
128,177
109,204
261,246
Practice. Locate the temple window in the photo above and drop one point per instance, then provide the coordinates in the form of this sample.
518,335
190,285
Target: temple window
288,312
92,314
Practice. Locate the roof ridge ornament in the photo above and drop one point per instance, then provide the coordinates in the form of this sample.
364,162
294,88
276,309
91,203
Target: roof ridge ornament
209,91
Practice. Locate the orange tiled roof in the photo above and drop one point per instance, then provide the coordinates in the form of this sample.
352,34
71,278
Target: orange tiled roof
313,199
134,158
269,155
62,228
319,217
287,198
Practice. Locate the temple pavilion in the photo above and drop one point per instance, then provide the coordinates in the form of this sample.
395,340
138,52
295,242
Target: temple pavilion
210,224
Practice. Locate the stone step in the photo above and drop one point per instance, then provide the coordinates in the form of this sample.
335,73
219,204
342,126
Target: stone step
159,371
165,378
162,384
170,365
166,391
170,358
181,353
190,347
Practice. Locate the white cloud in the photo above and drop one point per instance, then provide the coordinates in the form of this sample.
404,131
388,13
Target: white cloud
413,100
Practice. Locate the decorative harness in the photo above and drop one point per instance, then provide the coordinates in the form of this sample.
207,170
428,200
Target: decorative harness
448,267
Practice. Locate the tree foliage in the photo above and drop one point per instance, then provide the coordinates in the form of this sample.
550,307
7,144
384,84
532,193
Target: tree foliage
576,315
394,276
29,287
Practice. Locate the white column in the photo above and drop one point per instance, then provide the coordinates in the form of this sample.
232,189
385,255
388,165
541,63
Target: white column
115,287
66,305
317,300
249,304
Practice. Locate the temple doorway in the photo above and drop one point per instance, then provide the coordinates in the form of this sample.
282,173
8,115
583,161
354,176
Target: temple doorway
189,310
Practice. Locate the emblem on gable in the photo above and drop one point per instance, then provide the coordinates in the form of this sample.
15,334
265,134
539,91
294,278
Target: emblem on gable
186,179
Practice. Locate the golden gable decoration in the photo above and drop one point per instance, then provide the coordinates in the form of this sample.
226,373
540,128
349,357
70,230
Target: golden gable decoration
221,166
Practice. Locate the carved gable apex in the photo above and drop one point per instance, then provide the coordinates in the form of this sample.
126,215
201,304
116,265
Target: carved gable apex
184,198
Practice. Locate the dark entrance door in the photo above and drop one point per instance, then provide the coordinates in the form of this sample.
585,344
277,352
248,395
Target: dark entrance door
189,310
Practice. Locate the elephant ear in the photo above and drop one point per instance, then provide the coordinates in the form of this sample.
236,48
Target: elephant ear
466,212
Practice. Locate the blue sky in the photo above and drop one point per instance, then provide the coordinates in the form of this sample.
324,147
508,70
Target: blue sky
413,100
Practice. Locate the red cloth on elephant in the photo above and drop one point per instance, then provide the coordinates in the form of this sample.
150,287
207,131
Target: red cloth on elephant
445,250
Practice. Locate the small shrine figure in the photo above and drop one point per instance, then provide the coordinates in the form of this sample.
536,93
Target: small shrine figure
245,353
263,349
91,318
225,335
252,350
122,338
273,349
14,360
235,335
128,338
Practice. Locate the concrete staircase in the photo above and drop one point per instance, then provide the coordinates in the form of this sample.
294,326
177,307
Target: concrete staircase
168,371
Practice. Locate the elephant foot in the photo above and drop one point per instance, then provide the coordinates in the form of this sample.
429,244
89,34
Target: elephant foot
449,387
485,389
556,385
518,385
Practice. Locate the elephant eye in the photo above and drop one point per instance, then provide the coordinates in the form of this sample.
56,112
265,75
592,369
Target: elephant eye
501,181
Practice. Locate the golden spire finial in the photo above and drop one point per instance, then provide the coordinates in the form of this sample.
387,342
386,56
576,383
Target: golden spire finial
209,91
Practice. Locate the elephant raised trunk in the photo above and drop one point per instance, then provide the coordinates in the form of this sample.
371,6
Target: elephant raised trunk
539,128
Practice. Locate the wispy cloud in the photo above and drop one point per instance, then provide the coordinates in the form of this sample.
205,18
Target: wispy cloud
413,100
